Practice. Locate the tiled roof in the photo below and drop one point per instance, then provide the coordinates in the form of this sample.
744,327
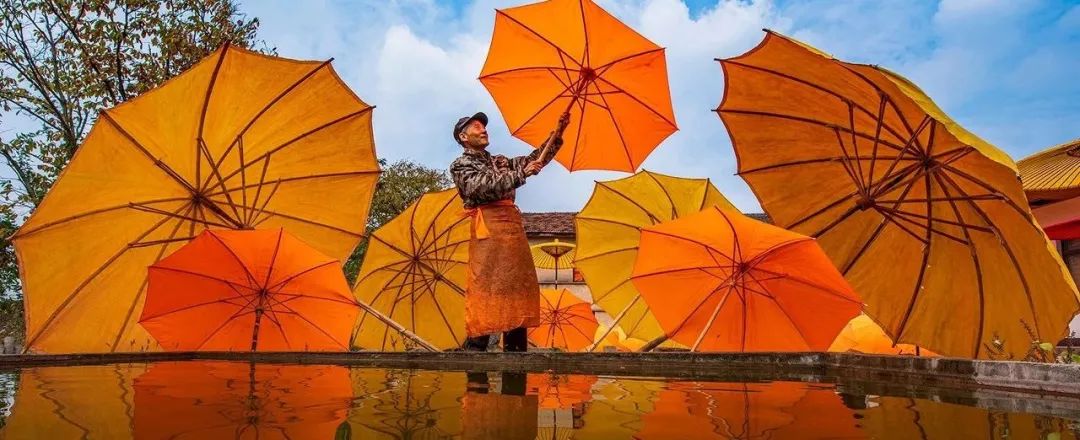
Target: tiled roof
549,223
562,223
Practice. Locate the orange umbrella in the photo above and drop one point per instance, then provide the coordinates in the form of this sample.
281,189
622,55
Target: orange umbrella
249,290
205,400
863,335
555,56
719,280
566,322
560,390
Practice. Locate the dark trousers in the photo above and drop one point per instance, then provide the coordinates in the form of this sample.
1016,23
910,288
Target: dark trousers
513,340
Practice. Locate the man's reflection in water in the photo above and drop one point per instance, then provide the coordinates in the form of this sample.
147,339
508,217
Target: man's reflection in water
500,410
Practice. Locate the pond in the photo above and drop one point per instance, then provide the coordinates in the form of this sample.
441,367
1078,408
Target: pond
218,399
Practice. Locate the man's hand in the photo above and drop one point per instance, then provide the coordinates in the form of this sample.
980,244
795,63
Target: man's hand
533,168
564,120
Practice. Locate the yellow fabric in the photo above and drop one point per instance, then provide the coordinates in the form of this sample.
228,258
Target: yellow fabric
544,260
414,272
928,222
608,230
128,196
92,402
898,418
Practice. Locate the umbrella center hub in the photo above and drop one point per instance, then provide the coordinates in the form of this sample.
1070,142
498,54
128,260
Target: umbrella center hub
588,74
865,203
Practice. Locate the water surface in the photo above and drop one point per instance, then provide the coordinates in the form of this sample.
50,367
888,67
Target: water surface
212,399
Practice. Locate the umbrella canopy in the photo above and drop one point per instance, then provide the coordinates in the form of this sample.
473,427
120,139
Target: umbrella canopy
616,338
863,335
553,255
92,402
555,56
566,322
608,234
720,281
210,399
401,404
861,159
414,272
560,390
618,407
1052,174
239,140
249,290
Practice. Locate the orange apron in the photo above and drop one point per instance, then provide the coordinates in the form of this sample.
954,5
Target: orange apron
502,292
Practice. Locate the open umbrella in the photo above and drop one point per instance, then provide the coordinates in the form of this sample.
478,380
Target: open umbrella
927,221
211,399
239,140
415,273
863,335
566,322
92,402
720,281
1052,174
555,56
249,290
618,406
401,404
615,338
553,255
609,230
560,391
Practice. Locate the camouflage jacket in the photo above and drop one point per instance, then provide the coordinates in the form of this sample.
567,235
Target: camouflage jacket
480,180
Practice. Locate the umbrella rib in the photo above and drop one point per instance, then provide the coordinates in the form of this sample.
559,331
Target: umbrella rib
393,308
384,289
796,279
176,215
273,258
939,220
203,275
712,318
421,264
652,217
442,314
22,234
892,166
217,173
157,162
541,37
846,161
379,269
141,291
431,226
810,121
628,57
975,261
768,294
298,138
821,88
614,222
249,218
226,300
991,189
250,276
205,106
1008,249
881,92
295,296
278,98
822,210
255,221
525,69
226,322
881,226
282,283
78,289
577,137
877,137
312,324
622,139
638,100
813,161
430,247
922,267
310,222
855,142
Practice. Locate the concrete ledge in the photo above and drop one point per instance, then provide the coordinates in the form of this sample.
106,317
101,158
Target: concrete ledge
1018,377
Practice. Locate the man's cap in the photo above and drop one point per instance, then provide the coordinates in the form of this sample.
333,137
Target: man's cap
463,122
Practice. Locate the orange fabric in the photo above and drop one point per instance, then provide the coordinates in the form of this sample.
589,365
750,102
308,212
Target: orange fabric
497,416
502,293
720,281
249,290
926,220
480,228
555,391
863,335
208,400
558,55
566,322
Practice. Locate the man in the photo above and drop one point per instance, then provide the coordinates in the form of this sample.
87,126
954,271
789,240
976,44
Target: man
502,294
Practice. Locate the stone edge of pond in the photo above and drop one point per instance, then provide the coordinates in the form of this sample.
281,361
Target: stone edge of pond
1027,377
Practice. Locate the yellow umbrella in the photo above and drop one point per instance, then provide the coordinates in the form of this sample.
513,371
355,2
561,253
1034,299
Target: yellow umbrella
617,408
553,254
1052,174
927,221
863,335
240,140
91,402
414,272
399,404
608,230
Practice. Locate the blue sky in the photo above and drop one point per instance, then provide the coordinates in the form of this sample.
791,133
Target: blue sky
1005,69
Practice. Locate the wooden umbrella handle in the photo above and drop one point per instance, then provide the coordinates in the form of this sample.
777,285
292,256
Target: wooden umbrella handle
394,325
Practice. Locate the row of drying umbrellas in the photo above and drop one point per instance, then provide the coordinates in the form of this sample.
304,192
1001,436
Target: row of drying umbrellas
923,219
242,400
